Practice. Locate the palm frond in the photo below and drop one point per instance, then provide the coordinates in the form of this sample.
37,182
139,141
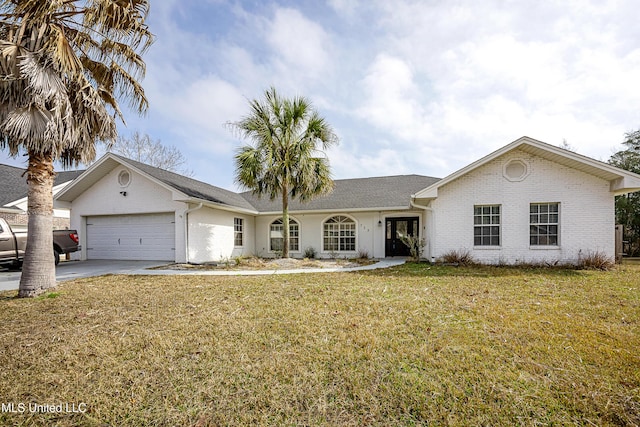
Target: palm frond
64,66
287,135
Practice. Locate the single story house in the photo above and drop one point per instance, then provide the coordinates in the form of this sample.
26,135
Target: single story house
526,202
13,197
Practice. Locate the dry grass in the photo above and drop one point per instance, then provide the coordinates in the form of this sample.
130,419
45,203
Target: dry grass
255,263
460,257
414,345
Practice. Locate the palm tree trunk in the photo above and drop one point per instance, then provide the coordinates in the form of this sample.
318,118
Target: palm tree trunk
285,222
38,271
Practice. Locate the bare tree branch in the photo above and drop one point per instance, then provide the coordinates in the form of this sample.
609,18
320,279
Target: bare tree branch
143,149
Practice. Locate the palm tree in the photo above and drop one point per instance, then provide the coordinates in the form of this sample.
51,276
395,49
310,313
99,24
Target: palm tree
63,63
286,158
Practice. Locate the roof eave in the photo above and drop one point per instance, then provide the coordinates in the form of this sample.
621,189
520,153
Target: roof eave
625,184
625,178
337,210
217,205
87,179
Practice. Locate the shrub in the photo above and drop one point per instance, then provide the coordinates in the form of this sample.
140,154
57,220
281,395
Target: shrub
310,252
415,244
363,254
459,257
596,261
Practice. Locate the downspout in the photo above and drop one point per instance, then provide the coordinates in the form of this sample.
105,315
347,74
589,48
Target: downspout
433,219
186,230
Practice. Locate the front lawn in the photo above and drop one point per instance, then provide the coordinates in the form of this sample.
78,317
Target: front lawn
412,345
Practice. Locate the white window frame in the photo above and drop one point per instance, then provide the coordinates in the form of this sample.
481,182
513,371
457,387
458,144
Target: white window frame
292,221
543,218
341,233
238,232
488,219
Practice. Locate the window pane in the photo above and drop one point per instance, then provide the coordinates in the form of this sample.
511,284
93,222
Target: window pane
276,244
544,225
339,234
486,229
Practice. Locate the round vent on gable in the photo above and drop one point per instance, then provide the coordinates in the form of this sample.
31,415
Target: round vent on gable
516,170
124,178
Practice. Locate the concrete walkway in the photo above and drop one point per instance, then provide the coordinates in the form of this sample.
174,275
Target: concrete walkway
383,263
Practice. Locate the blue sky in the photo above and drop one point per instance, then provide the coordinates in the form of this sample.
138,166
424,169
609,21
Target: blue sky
421,87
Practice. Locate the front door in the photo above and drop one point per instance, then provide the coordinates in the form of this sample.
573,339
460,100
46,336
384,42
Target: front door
396,228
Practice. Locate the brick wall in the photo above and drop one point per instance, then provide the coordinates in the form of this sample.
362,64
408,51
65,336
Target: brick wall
586,211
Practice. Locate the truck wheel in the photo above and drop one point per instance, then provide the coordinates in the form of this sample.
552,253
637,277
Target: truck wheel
56,256
17,265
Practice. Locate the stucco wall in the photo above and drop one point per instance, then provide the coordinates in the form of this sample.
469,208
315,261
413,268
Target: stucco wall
370,236
143,196
211,235
587,217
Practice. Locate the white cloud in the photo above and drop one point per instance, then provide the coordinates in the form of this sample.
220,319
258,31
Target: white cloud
411,86
345,8
393,101
299,45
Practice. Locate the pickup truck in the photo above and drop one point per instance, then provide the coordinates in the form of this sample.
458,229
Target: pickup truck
12,245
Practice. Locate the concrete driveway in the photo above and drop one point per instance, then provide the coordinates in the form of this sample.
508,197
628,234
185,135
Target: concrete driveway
68,270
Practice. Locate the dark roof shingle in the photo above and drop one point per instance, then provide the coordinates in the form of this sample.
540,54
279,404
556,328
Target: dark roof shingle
356,193
14,182
191,187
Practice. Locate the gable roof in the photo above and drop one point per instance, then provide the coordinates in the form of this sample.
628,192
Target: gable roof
386,192
189,188
14,182
377,193
621,181
349,194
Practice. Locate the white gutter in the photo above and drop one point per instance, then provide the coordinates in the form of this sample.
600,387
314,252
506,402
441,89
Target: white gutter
335,210
433,219
186,230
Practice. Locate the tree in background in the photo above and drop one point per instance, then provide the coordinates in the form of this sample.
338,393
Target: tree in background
63,64
287,157
628,205
145,150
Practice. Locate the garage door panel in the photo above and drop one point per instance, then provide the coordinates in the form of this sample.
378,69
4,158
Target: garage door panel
131,237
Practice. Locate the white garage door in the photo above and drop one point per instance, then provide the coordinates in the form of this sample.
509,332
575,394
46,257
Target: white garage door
132,237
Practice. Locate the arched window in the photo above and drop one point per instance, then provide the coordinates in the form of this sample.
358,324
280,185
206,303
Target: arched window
339,234
276,237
